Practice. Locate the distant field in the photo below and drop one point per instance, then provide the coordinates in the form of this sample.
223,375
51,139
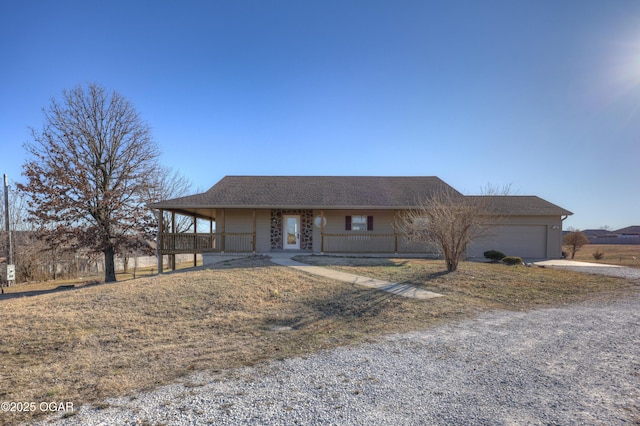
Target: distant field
614,254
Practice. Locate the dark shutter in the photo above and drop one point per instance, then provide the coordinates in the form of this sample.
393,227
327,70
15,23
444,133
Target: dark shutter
369,223
347,223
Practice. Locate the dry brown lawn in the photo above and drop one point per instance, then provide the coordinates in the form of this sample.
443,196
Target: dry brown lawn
614,254
85,344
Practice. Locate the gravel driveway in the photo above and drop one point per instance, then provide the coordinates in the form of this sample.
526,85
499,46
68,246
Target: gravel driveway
577,364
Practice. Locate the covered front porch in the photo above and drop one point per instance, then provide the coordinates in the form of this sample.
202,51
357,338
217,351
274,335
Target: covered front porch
199,231
227,231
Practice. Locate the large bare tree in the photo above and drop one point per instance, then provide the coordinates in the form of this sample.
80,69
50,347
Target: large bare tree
449,222
87,178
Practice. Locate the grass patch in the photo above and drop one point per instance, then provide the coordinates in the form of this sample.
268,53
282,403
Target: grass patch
496,285
614,254
105,340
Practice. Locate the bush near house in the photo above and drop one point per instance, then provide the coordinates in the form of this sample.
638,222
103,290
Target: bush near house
494,256
512,260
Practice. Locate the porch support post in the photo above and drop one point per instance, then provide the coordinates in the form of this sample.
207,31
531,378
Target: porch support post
160,243
321,231
253,240
172,257
195,241
213,241
221,232
395,232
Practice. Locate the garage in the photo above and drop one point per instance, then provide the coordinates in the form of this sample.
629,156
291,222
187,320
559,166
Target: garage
525,241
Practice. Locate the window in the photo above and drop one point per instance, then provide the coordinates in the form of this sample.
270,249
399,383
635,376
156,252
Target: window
359,223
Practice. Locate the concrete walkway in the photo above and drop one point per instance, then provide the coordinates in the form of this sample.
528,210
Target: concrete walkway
567,262
405,290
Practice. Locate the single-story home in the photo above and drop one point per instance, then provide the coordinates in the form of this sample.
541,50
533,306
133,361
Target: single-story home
341,214
628,235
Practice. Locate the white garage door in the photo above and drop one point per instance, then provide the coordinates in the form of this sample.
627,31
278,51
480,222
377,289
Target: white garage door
528,242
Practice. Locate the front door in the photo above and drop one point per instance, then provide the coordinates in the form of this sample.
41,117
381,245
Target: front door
291,232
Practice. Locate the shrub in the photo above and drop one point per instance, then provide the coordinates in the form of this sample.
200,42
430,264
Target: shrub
512,260
598,255
494,255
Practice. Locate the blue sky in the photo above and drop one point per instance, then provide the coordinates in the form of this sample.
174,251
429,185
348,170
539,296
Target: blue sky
542,95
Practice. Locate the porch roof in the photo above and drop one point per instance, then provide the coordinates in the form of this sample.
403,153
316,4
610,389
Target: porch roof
311,192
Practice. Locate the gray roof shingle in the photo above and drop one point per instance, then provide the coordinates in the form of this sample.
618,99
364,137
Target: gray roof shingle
334,192
521,205
598,233
629,230
312,192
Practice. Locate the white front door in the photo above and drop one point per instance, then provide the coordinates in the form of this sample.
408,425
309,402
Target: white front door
291,232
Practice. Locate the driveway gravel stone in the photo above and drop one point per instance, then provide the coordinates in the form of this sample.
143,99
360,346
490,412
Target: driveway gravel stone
575,364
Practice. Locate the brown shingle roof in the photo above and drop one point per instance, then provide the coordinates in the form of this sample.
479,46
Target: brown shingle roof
379,192
522,205
312,192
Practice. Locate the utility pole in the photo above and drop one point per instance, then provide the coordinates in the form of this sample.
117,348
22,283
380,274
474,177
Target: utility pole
11,269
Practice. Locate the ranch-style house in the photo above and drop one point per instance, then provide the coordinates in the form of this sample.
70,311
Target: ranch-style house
339,214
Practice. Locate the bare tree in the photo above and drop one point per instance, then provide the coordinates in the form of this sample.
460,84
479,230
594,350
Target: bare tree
448,222
168,184
575,240
87,180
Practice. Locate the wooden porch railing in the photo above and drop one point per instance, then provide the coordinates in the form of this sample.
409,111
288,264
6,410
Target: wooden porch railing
370,243
232,242
359,243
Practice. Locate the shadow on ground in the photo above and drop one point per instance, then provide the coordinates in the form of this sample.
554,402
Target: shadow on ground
17,294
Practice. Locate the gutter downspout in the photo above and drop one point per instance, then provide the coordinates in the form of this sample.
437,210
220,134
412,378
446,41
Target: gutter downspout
562,219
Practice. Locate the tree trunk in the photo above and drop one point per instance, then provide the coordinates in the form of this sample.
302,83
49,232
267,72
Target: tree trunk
109,264
452,265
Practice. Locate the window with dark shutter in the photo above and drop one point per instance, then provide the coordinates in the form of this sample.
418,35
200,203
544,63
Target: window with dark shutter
359,223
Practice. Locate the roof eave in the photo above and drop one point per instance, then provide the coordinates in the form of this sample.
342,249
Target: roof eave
284,207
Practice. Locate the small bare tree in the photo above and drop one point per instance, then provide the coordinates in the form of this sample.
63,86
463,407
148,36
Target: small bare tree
575,240
168,184
448,222
87,180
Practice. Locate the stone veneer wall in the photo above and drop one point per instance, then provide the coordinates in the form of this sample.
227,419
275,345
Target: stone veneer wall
306,225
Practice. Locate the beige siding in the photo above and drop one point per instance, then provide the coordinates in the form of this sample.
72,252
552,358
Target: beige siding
237,227
263,231
382,220
335,224
238,220
530,237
